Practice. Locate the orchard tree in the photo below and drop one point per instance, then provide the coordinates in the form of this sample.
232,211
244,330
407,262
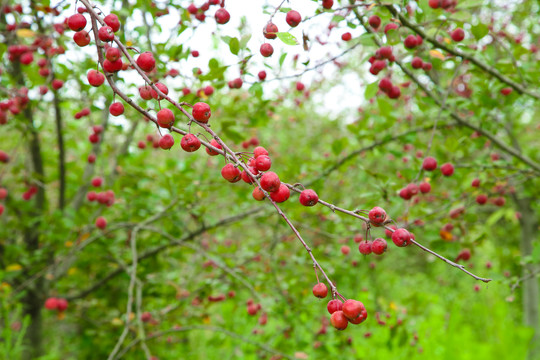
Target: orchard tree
248,179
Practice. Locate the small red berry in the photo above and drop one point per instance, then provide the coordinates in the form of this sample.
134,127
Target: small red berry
377,215
281,195
231,173
417,63
352,309
262,75
263,163
500,201
270,31
346,36
338,320
475,183
425,187
345,250
434,4
97,181
161,87
201,112
166,142
76,22
327,4
378,246
116,109
401,237
293,18
222,16
112,21
215,144
334,305
481,199
146,61
101,222
259,151
95,78
81,38
365,247
447,169
258,194
51,303
309,197
61,304
390,26
57,84
410,42
458,35
374,21
267,50
190,143
106,34
320,290
506,91
429,163
270,181
165,118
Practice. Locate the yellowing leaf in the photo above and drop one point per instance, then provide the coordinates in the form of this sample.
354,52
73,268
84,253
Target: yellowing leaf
445,235
72,271
436,54
393,306
206,320
68,244
13,267
117,322
5,285
25,33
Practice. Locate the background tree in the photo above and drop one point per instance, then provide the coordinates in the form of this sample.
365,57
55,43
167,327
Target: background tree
122,121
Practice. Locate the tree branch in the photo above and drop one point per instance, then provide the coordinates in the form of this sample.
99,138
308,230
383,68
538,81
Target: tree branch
456,52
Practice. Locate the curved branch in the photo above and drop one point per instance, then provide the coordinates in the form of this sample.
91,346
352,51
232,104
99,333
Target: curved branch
155,251
456,52
207,328
454,115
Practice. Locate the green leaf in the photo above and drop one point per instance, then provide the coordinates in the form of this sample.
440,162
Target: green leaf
213,63
479,31
234,46
244,40
282,59
371,90
287,38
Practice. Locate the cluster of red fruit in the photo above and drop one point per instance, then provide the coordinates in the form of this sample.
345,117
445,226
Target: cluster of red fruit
82,113
483,198
429,164
15,104
341,314
293,18
377,218
448,5
3,195
94,136
269,181
58,304
222,16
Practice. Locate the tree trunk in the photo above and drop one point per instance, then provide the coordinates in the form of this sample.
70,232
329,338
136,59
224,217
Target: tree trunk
531,300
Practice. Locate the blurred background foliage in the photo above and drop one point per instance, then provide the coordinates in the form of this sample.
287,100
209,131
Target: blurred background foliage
209,238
